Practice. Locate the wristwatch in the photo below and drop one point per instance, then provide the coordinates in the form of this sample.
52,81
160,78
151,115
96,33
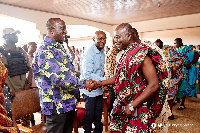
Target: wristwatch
131,108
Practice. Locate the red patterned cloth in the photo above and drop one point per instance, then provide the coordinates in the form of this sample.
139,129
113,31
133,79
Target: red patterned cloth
129,87
5,122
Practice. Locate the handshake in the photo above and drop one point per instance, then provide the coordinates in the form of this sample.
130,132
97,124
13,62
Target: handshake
91,85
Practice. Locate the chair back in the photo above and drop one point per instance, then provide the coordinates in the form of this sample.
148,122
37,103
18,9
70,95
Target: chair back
26,102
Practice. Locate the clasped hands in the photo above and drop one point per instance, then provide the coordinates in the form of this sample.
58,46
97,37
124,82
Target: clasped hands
91,85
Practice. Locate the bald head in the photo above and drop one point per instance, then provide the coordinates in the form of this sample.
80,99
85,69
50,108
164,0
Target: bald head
56,29
127,27
125,35
99,39
98,33
51,23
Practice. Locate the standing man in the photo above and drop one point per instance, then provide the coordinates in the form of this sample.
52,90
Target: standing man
56,79
16,61
175,73
189,84
25,48
92,67
140,83
32,46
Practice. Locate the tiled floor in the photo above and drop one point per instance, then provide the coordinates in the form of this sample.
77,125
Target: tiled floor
190,115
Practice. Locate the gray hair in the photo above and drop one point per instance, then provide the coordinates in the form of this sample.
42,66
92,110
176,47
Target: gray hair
127,27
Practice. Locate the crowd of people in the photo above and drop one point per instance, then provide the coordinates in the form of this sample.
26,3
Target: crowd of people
139,77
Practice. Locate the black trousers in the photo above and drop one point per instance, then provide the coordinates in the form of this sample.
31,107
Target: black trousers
93,113
112,97
62,123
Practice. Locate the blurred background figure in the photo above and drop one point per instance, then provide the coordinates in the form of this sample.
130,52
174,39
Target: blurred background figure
159,43
25,47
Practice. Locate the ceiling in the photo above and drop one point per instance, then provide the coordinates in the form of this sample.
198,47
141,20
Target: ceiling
111,11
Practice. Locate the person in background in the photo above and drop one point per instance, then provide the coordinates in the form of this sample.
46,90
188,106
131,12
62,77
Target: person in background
73,49
32,46
25,48
92,67
80,53
84,49
17,63
110,71
76,62
159,43
56,79
74,57
107,50
175,73
198,51
6,125
193,46
189,84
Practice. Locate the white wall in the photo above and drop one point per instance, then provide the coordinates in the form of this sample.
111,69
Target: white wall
190,36
40,18
183,21
186,27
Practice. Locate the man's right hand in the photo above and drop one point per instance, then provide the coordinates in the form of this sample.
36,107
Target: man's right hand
89,85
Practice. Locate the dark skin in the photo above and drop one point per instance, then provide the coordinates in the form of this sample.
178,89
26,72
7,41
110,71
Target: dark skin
10,40
25,48
32,48
196,55
146,71
99,40
159,44
57,33
195,59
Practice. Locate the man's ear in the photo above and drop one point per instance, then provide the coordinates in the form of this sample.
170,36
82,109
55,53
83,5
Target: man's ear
93,39
129,36
51,30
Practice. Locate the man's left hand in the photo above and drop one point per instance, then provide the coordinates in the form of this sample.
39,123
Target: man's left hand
127,111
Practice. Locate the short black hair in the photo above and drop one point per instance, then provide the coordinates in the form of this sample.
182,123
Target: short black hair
179,40
158,40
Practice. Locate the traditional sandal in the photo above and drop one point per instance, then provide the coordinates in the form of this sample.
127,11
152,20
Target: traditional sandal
181,108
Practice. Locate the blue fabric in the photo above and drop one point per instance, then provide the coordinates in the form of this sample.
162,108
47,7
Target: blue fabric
189,85
92,67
